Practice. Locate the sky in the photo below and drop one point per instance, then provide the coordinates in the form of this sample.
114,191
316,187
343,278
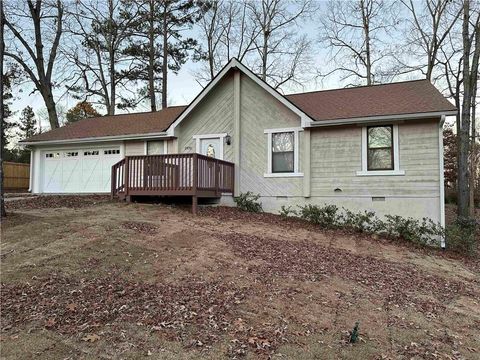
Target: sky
183,87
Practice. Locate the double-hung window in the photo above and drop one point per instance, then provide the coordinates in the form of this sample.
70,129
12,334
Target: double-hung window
380,148
283,152
380,151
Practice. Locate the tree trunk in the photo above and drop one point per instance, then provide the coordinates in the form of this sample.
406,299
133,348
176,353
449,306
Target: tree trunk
264,54
151,58
165,56
3,212
366,30
51,109
464,138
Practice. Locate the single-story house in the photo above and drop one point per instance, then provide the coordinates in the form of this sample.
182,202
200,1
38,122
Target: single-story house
371,147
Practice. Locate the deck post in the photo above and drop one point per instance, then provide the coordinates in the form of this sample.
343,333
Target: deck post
127,177
113,180
195,184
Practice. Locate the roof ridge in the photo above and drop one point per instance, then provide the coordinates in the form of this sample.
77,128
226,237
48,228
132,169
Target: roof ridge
356,87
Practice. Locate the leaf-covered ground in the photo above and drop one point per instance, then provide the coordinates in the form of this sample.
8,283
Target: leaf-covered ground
86,278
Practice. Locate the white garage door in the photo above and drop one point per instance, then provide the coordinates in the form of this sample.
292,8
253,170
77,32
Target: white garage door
82,170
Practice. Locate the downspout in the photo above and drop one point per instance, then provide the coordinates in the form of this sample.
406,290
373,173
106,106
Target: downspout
30,180
442,182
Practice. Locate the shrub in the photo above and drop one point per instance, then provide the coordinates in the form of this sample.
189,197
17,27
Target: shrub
425,232
326,216
365,221
462,236
287,211
248,202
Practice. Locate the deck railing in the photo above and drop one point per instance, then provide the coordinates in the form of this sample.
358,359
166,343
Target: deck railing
172,174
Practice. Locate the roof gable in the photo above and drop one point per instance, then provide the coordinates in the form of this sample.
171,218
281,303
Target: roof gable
236,64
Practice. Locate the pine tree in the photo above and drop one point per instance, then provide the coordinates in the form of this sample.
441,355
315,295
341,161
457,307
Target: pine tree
158,45
27,125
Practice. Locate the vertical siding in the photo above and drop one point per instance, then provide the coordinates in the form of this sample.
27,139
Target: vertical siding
260,111
214,115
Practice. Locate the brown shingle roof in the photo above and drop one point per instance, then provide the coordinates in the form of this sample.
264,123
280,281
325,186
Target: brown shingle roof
409,97
114,125
418,96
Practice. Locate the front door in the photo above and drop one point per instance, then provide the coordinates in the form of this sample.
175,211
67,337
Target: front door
211,148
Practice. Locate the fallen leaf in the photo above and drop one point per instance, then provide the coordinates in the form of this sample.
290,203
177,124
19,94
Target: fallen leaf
91,338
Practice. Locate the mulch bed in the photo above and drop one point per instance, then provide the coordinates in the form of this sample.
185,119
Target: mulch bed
397,284
64,201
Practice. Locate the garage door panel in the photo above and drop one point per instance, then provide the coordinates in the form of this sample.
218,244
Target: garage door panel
83,170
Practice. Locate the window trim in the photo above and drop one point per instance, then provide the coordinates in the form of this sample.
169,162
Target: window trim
296,153
396,171
220,137
392,147
165,145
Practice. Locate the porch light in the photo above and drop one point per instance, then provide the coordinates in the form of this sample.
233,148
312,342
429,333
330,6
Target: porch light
228,139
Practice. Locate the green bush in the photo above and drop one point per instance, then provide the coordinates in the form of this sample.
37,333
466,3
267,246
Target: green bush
287,211
365,221
423,232
462,236
326,216
248,202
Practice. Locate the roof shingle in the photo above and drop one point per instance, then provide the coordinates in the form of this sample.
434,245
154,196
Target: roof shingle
409,97
114,125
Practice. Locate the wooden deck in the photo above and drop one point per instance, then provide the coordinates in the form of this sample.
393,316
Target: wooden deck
192,175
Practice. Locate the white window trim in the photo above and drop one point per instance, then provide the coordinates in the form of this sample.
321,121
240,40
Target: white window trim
396,157
221,136
165,146
296,153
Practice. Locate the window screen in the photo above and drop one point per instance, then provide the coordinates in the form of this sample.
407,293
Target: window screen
283,152
380,148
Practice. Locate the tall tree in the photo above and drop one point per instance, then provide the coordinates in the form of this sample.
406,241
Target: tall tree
81,110
283,53
355,32
157,44
100,33
227,31
27,124
429,24
471,55
27,47
3,212
176,17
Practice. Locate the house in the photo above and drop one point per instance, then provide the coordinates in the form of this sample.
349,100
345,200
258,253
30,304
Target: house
372,147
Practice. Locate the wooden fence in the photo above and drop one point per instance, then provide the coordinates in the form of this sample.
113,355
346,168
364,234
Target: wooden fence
16,176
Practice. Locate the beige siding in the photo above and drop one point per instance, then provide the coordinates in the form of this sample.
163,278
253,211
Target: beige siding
336,157
134,147
260,111
214,115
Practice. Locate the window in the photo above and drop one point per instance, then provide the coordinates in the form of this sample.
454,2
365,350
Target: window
52,155
380,148
380,151
90,153
283,152
71,153
155,148
111,151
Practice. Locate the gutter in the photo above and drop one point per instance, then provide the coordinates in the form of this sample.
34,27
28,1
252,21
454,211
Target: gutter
160,135
368,119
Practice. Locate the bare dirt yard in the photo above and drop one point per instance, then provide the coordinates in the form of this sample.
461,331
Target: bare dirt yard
87,278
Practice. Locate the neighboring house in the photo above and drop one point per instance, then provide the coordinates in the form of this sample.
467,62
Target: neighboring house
373,147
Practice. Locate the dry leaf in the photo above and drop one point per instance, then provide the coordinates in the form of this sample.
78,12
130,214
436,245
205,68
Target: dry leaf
91,338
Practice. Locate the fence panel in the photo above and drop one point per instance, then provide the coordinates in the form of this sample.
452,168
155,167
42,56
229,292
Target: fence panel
16,176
